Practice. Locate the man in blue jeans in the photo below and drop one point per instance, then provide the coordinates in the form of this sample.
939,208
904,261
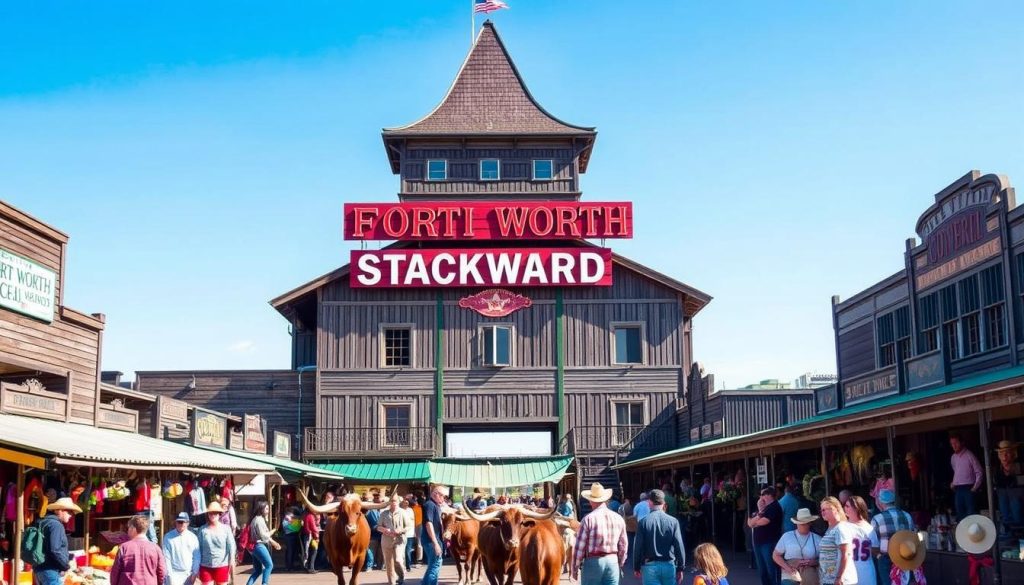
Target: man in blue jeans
55,542
431,535
766,525
658,553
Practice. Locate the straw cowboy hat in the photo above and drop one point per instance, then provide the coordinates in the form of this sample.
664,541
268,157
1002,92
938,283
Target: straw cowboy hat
906,550
803,516
214,507
976,534
597,493
1006,446
64,504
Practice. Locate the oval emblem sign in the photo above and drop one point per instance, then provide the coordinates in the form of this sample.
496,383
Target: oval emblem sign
495,302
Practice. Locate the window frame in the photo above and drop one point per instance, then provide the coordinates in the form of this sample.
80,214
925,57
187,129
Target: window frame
482,333
614,424
615,326
497,172
382,420
551,171
382,345
434,160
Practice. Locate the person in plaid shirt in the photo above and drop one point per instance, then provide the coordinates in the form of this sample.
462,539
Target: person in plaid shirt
884,524
601,544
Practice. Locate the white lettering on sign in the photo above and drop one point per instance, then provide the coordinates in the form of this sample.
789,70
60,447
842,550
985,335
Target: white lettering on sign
963,199
27,287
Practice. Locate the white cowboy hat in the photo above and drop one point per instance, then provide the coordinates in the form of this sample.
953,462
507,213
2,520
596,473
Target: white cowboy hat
64,504
976,534
597,493
906,550
214,507
1006,446
803,516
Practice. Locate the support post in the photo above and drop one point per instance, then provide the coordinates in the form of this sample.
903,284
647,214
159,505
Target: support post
890,436
711,474
560,360
823,469
439,376
19,524
984,417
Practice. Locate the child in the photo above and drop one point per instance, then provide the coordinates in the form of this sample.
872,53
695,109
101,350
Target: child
710,566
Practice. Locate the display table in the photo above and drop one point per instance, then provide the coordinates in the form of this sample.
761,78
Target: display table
950,568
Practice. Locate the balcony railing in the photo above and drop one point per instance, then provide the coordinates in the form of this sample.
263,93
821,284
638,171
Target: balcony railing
369,442
626,441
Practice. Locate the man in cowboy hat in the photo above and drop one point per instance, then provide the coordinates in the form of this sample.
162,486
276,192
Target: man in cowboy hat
55,542
658,553
883,526
601,544
1009,487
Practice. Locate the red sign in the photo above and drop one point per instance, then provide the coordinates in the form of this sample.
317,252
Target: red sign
493,220
481,267
495,302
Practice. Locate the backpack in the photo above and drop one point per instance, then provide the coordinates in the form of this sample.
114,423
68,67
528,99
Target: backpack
246,543
32,549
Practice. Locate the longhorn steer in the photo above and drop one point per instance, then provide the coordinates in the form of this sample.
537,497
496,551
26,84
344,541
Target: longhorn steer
568,528
463,535
515,538
347,536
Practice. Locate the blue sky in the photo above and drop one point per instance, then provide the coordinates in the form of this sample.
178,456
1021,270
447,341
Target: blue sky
199,153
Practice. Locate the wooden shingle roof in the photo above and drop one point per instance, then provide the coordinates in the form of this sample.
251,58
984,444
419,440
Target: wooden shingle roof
488,97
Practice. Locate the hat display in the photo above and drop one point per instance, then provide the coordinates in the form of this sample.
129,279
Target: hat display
214,507
887,497
1006,446
597,493
183,517
803,516
906,550
976,534
64,504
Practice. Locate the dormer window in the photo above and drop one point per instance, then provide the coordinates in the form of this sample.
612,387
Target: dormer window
489,169
437,170
543,170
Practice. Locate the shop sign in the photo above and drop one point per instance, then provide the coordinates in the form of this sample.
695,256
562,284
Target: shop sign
926,371
31,398
762,470
970,197
705,431
253,434
826,399
717,427
495,220
27,287
172,409
875,385
964,261
116,416
235,442
209,429
495,302
695,434
282,445
406,268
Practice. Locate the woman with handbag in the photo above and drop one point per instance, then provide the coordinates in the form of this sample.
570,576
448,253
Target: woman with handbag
797,551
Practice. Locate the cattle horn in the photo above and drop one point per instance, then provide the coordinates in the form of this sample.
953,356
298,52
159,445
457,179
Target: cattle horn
538,515
481,517
326,509
375,506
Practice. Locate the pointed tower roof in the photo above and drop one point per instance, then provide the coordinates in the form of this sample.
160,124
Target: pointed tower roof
489,98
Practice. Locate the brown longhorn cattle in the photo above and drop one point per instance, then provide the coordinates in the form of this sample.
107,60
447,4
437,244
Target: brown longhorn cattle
462,533
347,536
568,528
515,538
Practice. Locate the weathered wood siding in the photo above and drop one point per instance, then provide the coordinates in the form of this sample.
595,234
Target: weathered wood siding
353,399
857,350
350,333
272,394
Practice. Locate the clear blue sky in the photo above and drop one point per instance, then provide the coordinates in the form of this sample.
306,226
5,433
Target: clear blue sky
199,153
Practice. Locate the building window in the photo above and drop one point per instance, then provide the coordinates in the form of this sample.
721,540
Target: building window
437,170
950,321
995,326
497,350
543,170
928,309
490,169
628,345
397,425
397,350
628,421
993,299
886,341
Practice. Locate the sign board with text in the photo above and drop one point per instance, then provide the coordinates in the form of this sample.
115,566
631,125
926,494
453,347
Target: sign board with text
877,384
282,445
27,287
32,399
254,434
209,429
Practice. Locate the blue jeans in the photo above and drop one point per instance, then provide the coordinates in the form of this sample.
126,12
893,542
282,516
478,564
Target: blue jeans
600,571
410,550
368,565
1010,505
883,565
262,564
47,577
964,501
659,573
767,570
433,561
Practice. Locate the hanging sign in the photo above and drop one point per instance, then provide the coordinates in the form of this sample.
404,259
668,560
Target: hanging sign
407,268
282,445
762,470
495,302
254,437
494,220
27,287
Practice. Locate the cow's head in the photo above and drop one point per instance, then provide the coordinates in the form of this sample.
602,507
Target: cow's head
511,520
348,509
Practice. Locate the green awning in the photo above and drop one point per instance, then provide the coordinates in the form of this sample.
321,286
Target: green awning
288,469
382,471
499,473
491,473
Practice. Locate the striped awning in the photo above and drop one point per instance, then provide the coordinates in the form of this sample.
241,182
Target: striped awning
493,473
288,468
383,471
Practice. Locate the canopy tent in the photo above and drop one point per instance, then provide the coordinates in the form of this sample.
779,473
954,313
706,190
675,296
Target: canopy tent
495,473
290,470
72,444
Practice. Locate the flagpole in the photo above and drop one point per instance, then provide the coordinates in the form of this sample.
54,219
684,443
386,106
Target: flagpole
472,22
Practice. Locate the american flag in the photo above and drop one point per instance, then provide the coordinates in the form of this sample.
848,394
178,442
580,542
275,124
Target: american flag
487,6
